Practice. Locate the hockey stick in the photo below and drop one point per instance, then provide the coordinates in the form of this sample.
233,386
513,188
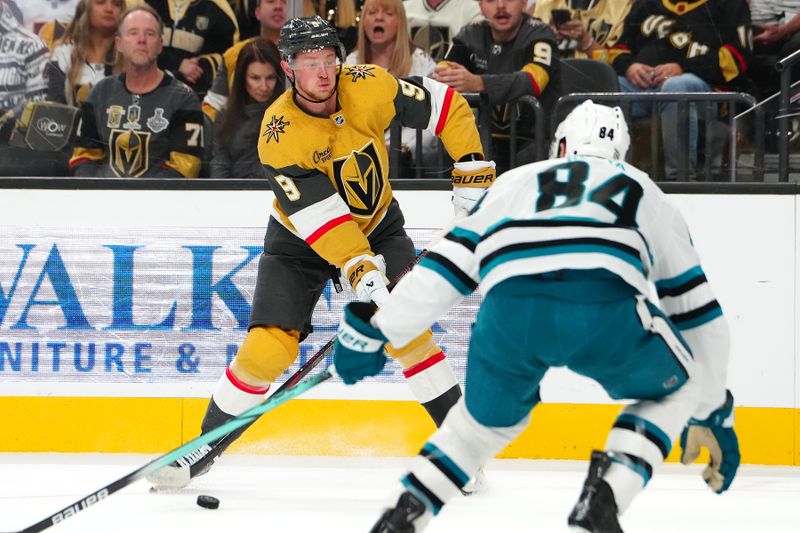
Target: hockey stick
246,418
197,461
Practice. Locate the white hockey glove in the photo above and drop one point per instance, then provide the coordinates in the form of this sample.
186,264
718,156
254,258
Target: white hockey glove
366,274
470,180
717,434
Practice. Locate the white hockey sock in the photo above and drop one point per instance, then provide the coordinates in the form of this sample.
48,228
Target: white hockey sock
431,378
234,396
625,483
642,438
454,454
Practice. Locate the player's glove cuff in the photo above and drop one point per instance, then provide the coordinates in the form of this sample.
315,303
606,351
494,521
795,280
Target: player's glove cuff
475,174
470,180
358,351
715,433
366,274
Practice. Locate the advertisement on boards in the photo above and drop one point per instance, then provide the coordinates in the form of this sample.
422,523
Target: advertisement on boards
156,305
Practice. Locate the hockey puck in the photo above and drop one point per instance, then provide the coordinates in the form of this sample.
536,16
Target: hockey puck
209,502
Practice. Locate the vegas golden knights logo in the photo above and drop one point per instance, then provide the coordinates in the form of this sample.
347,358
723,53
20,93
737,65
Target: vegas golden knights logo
435,40
129,152
502,114
600,29
359,178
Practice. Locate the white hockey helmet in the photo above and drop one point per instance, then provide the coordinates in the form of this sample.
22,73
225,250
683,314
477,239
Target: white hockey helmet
593,129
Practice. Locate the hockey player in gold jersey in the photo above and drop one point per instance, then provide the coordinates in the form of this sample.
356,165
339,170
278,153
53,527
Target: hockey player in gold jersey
322,149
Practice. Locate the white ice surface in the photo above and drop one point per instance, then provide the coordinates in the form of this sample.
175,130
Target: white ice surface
269,494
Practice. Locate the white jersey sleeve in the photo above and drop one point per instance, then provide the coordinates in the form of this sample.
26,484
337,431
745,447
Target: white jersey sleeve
685,295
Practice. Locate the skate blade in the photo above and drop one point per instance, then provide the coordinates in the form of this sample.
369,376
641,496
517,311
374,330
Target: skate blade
476,485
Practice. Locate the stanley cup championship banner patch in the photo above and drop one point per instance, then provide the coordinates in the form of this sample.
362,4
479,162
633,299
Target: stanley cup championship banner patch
151,305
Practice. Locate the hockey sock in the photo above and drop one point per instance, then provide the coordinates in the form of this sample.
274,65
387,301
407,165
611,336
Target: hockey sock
453,455
642,438
231,398
434,384
624,480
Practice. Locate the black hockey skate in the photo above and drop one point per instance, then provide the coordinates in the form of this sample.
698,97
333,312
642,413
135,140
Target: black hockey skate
596,510
408,516
179,473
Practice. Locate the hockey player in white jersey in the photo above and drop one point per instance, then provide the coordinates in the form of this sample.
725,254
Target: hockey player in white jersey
563,252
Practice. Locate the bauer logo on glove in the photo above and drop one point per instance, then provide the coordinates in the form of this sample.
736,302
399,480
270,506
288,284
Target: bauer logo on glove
470,180
473,180
479,174
358,350
367,276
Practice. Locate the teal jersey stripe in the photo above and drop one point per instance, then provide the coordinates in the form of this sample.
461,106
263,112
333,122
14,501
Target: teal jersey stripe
421,496
471,236
456,470
561,249
579,219
679,280
651,428
496,225
633,466
447,274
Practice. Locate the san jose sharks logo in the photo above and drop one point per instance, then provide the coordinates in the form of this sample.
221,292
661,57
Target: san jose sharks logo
359,72
275,127
360,180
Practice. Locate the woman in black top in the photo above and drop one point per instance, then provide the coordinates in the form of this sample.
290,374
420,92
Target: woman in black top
257,81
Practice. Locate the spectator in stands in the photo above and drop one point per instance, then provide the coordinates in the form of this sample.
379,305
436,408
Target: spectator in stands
776,34
245,17
250,14
271,15
86,53
593,26
506,56
341,14
257,82
680,47
196,33
52,31
434,23
34,14
383,40
142,122
21,63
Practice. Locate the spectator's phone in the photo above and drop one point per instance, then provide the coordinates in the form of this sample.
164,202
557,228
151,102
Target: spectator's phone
560,16
581,5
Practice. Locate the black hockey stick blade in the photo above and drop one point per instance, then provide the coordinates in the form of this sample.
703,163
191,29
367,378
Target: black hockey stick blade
246,418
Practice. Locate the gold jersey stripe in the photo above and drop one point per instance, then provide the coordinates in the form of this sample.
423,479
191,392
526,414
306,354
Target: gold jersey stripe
539,76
